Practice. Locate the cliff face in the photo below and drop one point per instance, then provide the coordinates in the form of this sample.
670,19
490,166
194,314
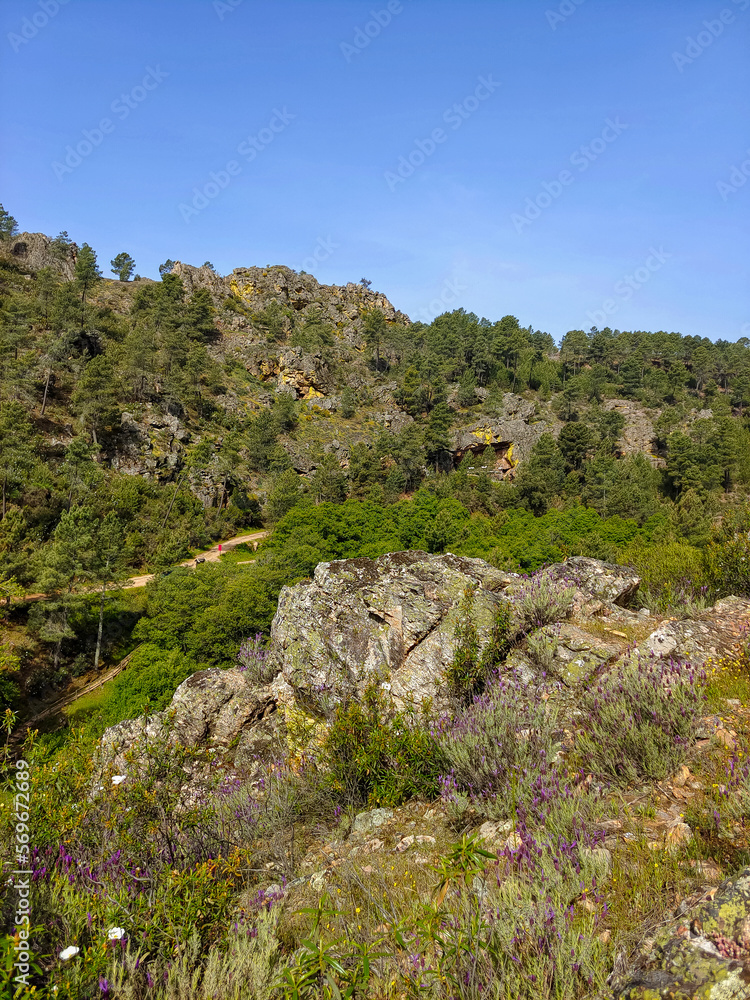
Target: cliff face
343,306
32,251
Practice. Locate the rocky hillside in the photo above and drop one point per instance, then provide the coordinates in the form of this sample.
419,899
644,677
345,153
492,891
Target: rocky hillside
399,621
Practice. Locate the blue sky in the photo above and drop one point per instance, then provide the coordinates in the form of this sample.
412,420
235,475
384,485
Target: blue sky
568,162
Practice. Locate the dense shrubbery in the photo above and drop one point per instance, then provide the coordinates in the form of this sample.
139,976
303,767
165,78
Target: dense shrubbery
374,755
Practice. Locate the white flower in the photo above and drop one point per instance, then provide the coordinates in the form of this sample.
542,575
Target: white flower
67,953
117,779
115,933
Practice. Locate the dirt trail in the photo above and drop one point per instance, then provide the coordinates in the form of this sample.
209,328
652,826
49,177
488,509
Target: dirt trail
210,555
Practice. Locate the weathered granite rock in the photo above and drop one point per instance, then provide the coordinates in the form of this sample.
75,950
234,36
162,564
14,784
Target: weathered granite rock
307,375
707,636
570,652
394,615
343,306
638,434
599,580
704,955
214,708
31,252
150,443
511,434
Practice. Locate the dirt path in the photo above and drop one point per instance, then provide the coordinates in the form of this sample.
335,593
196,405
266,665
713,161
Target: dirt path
210,555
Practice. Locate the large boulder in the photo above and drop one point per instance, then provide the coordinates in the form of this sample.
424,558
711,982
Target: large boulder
394,616
220,709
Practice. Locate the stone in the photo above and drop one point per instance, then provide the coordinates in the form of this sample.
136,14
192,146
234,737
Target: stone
704,955
606,581
677,836
393,617
725,737
710,635
492,833
682,776
364,822
31,252
600,857
214,708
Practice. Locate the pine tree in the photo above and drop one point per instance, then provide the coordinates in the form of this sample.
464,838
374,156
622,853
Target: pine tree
17,449
8,225
123,266
87,274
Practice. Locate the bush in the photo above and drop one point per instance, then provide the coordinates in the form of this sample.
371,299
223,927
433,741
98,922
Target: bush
468,671
639,720
493,745
378,757
543,600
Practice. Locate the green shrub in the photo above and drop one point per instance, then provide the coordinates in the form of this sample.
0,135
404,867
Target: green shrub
375,756
468,671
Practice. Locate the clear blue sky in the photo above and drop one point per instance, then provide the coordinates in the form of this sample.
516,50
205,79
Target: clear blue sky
315,105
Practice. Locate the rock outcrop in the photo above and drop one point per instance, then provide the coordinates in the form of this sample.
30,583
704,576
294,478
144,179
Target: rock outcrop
394,616
342,306
707,636
213,708
33,251
511,434
703,955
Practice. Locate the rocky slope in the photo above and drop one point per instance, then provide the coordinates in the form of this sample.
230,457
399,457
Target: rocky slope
394,619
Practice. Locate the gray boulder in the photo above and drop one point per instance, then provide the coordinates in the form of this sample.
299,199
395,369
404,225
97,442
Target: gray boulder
393,616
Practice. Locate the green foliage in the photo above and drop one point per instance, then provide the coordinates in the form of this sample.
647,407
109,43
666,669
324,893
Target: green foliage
374,755
727,556
123,266
208,612
8,225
